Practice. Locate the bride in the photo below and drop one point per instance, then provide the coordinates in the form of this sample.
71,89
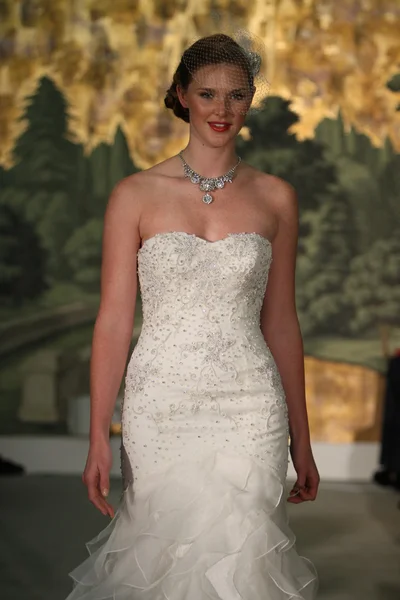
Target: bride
214,388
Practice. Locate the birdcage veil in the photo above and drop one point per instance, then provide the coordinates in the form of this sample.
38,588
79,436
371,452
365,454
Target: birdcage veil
230,65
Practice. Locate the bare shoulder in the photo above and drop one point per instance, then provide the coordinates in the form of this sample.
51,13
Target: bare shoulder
130,196
124,205
128,193
166,168
136,183
283,197
277,193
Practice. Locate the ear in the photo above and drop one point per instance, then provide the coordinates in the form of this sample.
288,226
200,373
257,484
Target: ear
182,96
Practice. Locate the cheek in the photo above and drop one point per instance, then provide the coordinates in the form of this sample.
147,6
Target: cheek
199,109
240,118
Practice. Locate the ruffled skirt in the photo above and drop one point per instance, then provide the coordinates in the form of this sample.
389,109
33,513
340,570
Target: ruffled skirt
215,529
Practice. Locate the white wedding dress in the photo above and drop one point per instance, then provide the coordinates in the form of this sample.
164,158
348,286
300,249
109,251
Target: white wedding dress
204,438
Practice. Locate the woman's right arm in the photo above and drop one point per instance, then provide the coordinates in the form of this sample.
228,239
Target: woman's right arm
112,332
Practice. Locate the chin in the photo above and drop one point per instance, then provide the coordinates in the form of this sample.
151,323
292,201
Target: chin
219,140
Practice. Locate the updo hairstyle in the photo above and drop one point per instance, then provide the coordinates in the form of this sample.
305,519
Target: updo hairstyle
211,50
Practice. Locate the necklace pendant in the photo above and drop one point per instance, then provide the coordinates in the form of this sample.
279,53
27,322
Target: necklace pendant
208,184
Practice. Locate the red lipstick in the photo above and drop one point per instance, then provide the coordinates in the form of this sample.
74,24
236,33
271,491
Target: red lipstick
219,126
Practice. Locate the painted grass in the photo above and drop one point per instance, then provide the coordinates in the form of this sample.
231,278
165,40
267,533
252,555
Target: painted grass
367,352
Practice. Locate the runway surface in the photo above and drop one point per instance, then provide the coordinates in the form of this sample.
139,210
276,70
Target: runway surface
351,533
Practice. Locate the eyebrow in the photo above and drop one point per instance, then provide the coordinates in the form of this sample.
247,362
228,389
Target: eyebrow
207,89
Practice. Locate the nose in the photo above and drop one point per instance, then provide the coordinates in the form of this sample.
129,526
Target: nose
222,106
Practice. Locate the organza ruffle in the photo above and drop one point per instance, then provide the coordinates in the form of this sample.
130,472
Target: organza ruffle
213,529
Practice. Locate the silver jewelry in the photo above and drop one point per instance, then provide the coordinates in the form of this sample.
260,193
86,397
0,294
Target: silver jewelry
208,184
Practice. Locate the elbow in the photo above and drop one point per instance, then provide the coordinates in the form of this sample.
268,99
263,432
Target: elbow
111,324
285,328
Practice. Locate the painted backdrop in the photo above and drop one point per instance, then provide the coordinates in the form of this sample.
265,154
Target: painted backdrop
81,106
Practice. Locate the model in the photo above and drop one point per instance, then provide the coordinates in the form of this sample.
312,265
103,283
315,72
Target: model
214,396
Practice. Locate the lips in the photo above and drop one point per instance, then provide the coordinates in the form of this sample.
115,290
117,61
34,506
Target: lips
219,126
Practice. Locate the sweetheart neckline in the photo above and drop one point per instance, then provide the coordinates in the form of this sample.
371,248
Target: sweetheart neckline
201,239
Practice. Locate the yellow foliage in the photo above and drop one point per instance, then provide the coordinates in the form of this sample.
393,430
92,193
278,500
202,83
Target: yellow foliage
114,60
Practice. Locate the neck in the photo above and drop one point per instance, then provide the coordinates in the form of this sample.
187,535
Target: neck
208,161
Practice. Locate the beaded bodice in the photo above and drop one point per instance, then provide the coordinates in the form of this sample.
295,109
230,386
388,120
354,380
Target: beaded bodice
201,366
186,279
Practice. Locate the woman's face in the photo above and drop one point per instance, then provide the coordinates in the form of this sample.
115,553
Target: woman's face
218,99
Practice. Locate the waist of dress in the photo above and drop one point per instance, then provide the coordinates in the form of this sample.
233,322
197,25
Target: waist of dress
229,320
195,343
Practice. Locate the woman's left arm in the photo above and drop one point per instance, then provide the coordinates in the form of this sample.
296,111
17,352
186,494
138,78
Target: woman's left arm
281,330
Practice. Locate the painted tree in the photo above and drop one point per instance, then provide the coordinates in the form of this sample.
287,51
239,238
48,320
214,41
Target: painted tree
274,149
373,286
43,155
22,259
45,169
324,266
121,164
99,161
83,253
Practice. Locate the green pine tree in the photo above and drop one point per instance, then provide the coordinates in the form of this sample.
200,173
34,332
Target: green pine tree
324,266
22,259
44,157
99,161
389,184
46,172
121,164
83,253
272,148
373,286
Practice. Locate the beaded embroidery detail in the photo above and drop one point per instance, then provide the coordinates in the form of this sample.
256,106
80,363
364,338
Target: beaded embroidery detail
201,376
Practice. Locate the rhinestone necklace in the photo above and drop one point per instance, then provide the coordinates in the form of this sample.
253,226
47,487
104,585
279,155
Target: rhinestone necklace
208,184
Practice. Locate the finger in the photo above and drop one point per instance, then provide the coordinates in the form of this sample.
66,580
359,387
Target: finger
99,503
312,486
312,491
104,489
107,506
305,496
308,493
104,507
110,510
104,483
300,491
294,494
95,497
294,499
297,485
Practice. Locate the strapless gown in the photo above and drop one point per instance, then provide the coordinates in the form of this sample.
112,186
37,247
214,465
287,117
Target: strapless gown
204,449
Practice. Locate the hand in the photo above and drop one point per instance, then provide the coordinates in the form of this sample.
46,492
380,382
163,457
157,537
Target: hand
96,476
306,486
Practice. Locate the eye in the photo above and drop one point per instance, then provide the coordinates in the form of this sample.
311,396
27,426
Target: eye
206,94
238,96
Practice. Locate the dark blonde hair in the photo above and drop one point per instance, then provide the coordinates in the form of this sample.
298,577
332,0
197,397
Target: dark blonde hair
205,51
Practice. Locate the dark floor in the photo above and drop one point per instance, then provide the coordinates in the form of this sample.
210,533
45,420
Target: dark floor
351,533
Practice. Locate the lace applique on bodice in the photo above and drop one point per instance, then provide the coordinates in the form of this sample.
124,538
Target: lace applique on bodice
185,277
201,358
